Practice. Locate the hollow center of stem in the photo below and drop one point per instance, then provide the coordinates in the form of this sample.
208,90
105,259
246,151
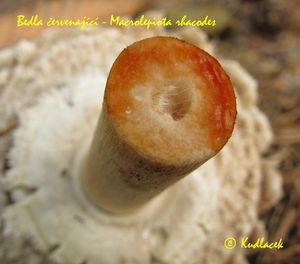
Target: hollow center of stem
174,100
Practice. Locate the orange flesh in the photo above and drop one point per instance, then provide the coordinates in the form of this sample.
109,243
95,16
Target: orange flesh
160,62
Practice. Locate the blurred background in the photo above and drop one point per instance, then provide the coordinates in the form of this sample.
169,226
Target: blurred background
263,35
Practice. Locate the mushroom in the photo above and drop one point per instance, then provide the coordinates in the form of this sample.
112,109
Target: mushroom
77,203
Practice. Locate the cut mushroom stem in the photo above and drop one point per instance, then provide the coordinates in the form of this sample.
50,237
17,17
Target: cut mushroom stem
168,107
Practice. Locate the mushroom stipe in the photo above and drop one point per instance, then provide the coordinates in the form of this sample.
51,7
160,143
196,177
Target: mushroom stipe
168,107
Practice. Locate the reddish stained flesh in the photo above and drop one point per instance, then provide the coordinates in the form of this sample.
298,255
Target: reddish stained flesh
221,90
130,70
